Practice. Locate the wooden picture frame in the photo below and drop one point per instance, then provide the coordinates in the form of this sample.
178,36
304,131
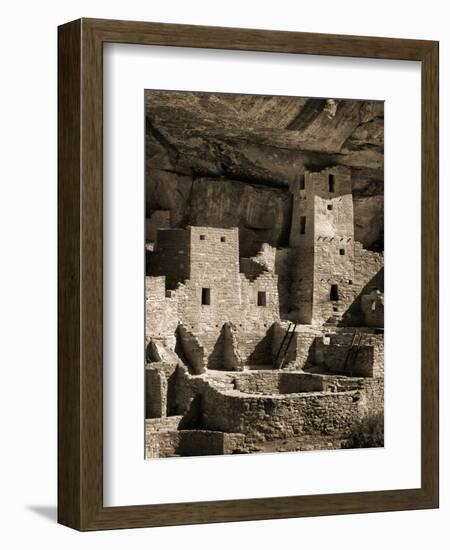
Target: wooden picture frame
80,272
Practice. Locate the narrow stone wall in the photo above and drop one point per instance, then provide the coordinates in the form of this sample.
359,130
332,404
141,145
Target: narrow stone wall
193,351
283,270
155,393
231,355
301,292
160,382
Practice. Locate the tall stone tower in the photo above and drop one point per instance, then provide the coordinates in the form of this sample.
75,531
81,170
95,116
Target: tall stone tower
322,238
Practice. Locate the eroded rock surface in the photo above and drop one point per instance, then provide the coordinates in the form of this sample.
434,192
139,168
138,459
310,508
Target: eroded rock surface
223,160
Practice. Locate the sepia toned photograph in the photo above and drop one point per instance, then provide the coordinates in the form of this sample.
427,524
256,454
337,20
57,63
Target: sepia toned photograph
264,286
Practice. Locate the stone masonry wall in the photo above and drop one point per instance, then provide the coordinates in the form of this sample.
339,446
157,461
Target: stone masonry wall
334,410
160,381
299,353
332,268
161,312
263,418
155,393
213,257
322,231
191,443
283,269
276,382
367,360
192,350
368,275
301,295
372,305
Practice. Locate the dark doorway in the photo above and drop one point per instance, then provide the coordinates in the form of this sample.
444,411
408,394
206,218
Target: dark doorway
302,225
206,296
331,183
334,293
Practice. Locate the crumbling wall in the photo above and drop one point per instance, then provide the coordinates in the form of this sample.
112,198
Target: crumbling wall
231,356
193,351
250,268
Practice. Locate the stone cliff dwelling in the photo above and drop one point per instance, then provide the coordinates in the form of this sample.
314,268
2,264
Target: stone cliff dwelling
282,350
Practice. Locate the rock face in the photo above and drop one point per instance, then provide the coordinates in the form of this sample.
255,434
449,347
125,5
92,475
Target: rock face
229,160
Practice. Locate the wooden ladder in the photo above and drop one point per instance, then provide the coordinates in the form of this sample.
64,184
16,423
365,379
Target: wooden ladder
352,352
284,346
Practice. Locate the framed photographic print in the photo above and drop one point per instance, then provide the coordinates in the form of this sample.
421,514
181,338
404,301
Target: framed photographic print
236,208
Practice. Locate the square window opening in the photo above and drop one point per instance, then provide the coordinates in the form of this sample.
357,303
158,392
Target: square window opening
330,207
203,237
342,251
262,299
222,239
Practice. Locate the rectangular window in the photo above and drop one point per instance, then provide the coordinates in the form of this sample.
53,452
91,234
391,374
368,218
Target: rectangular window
302,225
331,183
202,237
302,183
334,293
330,207
342,251
262,299
206,296
222,239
